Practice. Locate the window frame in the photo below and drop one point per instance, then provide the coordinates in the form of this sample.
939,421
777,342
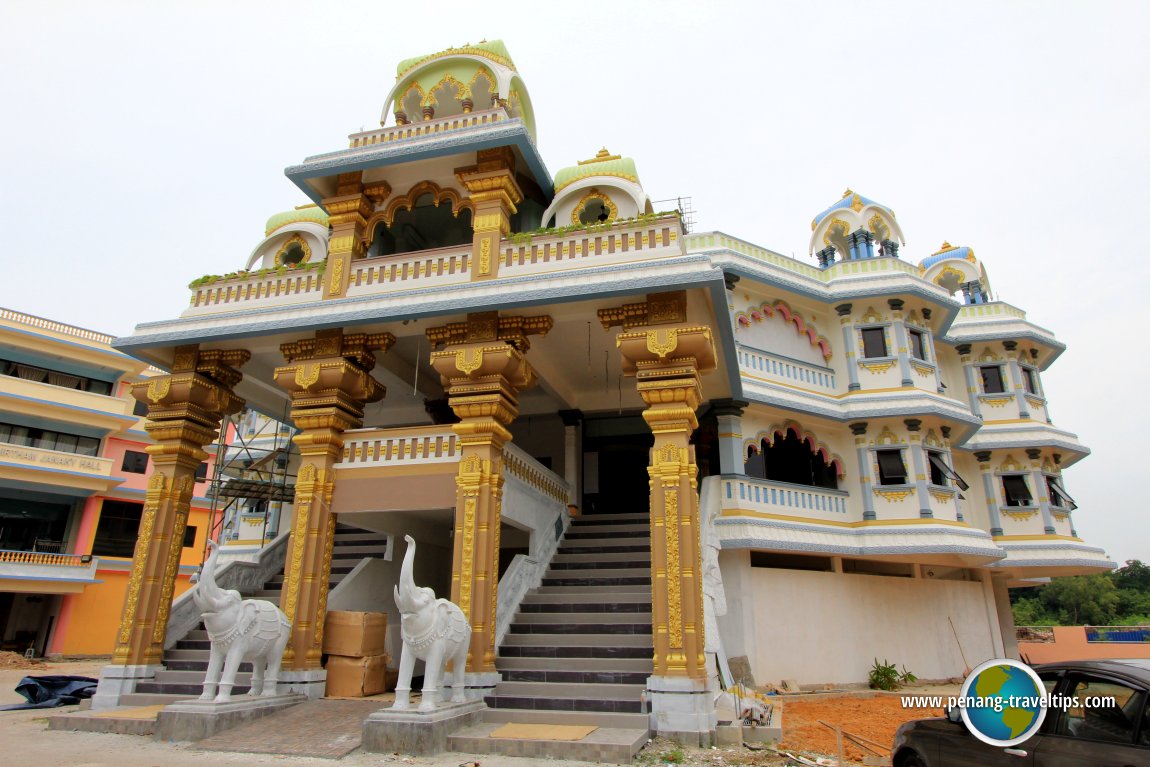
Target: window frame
881,330
1030,380
134,466
889,479
912,336
1069,682
1001,378
1055,488
1012,501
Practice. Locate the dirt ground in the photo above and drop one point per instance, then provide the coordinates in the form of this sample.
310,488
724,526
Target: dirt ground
27,740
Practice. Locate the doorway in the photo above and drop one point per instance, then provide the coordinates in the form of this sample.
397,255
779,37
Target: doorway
616,452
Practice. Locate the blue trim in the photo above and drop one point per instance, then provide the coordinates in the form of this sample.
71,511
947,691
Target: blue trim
509,132
48,578
109,352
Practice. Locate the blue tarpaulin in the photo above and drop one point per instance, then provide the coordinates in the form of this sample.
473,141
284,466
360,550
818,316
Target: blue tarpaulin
52,691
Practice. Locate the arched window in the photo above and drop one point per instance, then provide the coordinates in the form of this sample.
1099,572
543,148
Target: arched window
793,460
424,227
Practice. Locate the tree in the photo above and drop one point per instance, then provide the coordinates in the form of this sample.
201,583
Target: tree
1083,599
1134,575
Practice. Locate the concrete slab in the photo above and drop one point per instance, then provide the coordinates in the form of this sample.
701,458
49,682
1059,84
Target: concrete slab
123,720
604,745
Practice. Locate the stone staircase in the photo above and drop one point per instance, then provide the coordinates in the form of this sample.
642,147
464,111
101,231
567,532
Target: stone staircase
580,650
187,662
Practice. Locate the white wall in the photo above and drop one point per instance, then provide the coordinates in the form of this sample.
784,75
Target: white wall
817,627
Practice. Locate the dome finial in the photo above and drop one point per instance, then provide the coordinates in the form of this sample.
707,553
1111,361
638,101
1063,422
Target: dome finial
847,193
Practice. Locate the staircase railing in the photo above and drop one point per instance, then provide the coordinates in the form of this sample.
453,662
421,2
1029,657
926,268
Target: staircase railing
535,499
243,576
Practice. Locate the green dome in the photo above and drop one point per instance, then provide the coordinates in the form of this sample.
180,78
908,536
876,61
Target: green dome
602,164
309,213
488,49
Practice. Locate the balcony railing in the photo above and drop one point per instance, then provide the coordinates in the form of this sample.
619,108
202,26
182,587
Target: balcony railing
793,372
269,290
406,271
595,246
399,447
56,327
8,557
1118,633
428,127
761,495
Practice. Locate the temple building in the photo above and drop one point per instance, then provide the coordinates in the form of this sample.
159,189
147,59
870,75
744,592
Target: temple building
645,461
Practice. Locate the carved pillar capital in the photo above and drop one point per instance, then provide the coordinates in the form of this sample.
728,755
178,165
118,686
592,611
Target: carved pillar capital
348,211
492,187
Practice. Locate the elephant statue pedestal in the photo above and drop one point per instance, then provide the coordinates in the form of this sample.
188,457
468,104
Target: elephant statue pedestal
416,732
192,720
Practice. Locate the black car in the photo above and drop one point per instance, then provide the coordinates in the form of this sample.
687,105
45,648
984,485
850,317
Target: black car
1114,736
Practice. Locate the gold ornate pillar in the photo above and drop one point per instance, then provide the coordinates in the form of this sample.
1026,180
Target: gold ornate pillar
666,356
329,379
483,368
184,412
348,212
492,188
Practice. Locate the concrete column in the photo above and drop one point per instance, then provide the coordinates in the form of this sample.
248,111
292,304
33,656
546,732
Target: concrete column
918,463
858,246
329,380
573,455
1041,491
826,257
1014,376
900,340
973,388
850,345
483,367
729,414
184,412
866,482
494,192
1005,616
348,211
988,487
868,243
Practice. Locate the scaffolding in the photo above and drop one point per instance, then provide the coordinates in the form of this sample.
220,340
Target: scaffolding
250,478
683,205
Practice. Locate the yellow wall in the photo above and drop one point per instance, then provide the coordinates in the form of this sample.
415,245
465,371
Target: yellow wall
95,615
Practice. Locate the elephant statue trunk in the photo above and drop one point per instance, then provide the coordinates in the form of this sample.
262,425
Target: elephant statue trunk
433,630
240,629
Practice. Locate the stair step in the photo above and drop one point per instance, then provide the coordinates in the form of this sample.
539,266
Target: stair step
585,608
603,556
598,705
635,529
609,519
183,690
597,581
584,587
605,546
568,594
193,677
198,666
528,716
576,677
576,640
581,618
599,564
562,653
609,665
614,745
553,690
139,699
584,628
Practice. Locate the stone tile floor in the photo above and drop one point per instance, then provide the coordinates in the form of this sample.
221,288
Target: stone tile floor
328,729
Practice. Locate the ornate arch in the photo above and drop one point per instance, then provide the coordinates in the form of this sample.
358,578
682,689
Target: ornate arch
794,427
595,194
462,90
407,202
789,315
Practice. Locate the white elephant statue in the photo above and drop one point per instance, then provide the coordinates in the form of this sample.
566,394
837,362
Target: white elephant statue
240,629
434,631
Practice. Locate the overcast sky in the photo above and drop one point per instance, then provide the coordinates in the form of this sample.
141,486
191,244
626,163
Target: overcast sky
143,145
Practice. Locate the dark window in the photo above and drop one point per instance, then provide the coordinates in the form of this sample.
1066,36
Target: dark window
117,529
135,462
48,440
795,460
1030,380
874,342
54,377
1058,495
992,382
755,466
202,471
1017,491
940,471
891,468
1114,721
140,409
916,345
189,536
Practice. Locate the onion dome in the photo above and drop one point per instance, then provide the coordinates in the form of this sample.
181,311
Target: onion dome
598,190
309,213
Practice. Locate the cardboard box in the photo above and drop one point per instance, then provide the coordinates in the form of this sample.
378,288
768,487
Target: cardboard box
354,635
356,677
